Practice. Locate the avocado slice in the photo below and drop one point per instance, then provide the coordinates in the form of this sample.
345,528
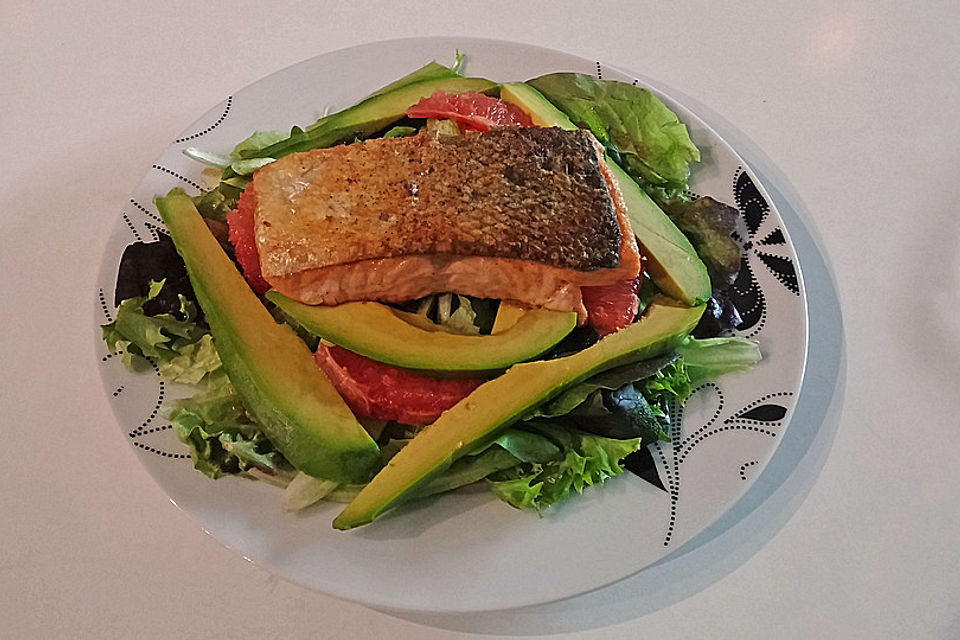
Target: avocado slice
275,374
396,337
371,114
433,70
672,262
540,110
494,405
507,316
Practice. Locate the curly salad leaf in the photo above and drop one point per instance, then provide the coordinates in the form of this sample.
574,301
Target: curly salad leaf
182,349
213,423
221,437
638,130
585,460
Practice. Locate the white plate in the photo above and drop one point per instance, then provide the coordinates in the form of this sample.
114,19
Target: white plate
467,551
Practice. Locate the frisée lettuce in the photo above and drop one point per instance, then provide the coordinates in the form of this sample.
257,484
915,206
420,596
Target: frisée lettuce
586,460
222,438
182,349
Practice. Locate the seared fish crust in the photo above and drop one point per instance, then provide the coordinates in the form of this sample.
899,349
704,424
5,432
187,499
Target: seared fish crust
518,196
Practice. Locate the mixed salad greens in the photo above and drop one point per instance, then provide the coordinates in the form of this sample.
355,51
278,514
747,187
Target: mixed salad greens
577,439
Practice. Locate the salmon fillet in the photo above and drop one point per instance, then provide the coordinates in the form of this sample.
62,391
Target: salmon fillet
528,215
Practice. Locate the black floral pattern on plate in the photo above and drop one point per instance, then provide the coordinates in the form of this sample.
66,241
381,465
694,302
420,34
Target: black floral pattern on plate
762,417
760,247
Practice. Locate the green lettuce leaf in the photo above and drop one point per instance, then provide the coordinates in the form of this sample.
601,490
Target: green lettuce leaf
217,403
527,446
532,467
208,158
457,313
585,460
619,413
610,405
248,166
640,132
217,203
182,349
192,361
245,158
713,357
216,454
221,438
400,132
468,470
305,490
465,471
708,224
252,146
460,319
610,379
670,384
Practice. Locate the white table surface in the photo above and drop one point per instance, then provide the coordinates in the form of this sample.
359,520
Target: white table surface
848,110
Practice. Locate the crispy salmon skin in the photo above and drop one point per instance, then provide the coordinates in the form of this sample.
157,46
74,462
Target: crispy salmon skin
479,213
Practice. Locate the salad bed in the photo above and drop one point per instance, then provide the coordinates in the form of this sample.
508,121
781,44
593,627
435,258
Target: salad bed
577,438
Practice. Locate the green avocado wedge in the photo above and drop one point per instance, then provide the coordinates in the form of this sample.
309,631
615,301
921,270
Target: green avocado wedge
387,335
672,262
478,418
274,372
372,114
541,111
430,71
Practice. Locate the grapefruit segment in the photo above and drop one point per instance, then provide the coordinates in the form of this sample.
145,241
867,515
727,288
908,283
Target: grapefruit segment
240,221
376,390
612,307
472,110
